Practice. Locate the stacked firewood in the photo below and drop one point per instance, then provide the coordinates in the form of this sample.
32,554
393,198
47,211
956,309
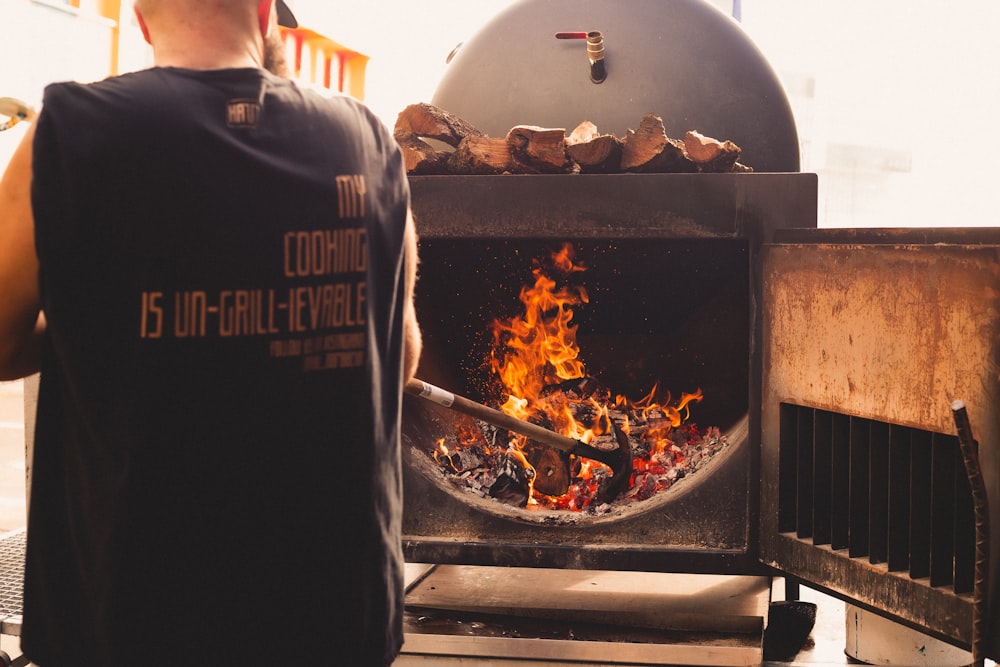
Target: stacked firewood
528,149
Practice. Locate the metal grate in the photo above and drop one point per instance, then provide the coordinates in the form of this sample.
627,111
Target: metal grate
12,546
894,495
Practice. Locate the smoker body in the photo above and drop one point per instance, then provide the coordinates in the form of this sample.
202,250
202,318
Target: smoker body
829,356
673,275
683,60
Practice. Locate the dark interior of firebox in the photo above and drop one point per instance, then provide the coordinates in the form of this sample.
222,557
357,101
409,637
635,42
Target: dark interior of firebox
661,310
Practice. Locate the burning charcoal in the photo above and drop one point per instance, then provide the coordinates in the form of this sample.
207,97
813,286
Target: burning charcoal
604,441
584,387
467,458
659,422
512,485
645,487
496,438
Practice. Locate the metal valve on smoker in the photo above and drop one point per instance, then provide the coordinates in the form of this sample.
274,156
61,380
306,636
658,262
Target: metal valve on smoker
595,52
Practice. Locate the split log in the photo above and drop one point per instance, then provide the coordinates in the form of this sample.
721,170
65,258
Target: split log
481,155
431,122
595,153
648,149
552,475
711,155
419,156
539,150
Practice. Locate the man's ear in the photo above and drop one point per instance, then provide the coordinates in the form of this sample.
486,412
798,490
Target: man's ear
264,10
142,25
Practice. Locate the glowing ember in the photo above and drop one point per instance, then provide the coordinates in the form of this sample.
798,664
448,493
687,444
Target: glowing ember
536,364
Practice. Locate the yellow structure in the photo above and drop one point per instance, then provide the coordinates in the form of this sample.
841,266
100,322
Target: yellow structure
322,62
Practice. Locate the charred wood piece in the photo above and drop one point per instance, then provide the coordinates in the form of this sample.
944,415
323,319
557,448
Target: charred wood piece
552,471
430,122
420,157
513,482
711,155
478,155
594,152
529,149
539,150
648,150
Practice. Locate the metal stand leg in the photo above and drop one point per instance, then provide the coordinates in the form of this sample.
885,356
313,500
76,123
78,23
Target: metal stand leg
791,589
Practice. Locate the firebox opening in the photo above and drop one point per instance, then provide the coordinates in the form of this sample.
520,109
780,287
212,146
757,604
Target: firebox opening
667,312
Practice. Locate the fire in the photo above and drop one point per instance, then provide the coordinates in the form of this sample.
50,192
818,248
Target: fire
538,350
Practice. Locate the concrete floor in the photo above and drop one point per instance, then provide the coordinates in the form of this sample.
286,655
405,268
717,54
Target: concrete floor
824,648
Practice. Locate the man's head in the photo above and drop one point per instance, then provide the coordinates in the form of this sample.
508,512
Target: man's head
208,34
146,9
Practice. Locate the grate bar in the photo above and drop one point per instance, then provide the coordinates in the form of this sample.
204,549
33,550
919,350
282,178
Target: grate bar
840,483
920,504
805,482
878,493
822,478
899,499
892,494
942,525
859,489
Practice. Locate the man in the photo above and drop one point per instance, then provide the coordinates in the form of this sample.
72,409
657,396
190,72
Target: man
221,309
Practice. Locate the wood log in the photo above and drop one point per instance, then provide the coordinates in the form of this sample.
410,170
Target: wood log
529,149
419,156
552,476
539,150
648,149
582,133
594,152
711,155
431,122
481,155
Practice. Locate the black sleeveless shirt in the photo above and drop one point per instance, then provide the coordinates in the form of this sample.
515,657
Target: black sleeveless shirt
216,469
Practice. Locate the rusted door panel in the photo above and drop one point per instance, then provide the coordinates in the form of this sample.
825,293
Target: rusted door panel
868,345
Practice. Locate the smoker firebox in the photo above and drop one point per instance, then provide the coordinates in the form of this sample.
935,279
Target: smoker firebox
673,278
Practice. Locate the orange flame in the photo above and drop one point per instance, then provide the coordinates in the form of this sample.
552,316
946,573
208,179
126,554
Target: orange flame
537,350
539,347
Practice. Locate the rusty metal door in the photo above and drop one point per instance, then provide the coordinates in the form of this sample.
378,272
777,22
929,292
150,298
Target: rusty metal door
868,338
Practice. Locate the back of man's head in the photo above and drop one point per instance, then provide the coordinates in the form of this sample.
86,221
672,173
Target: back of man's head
210,34
214,7
196,11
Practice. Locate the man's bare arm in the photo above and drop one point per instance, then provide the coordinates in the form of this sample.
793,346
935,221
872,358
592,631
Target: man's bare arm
413,340
21,323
